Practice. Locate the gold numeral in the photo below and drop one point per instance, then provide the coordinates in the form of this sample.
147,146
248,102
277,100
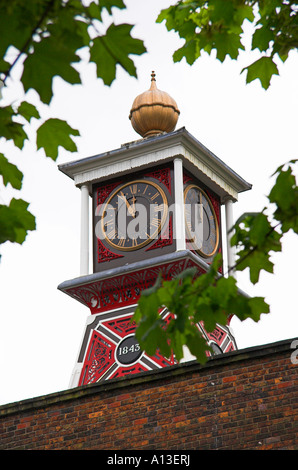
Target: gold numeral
154,196
121,242
133,189
112,234
158,208
155,222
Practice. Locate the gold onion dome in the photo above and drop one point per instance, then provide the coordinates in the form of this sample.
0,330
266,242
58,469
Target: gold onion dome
154,112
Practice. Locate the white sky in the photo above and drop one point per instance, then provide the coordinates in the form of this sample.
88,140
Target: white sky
251,130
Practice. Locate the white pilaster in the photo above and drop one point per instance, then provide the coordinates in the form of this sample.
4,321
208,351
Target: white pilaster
84,260
229,225
179,217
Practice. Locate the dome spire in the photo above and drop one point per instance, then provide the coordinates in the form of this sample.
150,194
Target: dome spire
154,112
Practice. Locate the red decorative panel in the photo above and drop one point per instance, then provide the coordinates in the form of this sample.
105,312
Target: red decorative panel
230,347
186,178
122,371
217,335
104,254
99,358
221,336
113,351
122,327
125,289
103,192
163,176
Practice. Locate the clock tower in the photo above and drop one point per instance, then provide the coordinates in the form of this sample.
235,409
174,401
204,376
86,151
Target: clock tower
156,207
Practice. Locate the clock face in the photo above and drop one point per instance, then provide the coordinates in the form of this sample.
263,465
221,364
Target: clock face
201,222
134,215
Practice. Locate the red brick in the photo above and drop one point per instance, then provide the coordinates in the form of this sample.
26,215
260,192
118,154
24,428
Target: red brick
229,379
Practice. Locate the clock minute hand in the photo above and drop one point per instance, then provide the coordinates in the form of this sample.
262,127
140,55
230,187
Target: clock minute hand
130,209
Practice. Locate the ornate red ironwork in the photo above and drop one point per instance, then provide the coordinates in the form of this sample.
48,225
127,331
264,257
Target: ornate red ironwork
122,371
125,289
104,254
163,175
220,336
100,359
186,178
104,191
122,327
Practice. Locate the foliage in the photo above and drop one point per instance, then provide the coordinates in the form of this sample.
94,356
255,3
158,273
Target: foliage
207,25
45,39
209,298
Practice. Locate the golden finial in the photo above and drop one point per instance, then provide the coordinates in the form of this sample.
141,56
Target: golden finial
154,111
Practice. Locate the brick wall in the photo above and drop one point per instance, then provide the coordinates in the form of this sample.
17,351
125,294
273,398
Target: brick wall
240,400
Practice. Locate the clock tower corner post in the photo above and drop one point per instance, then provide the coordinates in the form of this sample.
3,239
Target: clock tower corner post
231,257
179,210
84,248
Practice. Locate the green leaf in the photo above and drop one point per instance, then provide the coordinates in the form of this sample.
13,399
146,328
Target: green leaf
152,336
15,221
258,306
261,69
13,26
261,38
188,273
228,44
221,10
198,346
114,49
260,229
224,288
10,173
283,192
285,195
243,12
50,58
190,51
28,111
255,261
9,129
110,4
54,133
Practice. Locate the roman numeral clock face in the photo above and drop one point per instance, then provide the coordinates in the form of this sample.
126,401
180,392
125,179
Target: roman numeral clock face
133,215
201,221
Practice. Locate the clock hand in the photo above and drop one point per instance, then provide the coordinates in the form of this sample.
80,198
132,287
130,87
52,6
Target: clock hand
130,209
133,205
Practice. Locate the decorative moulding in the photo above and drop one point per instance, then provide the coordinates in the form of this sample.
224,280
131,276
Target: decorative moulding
152,151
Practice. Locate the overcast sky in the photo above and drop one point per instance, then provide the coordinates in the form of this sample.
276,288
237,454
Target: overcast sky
251,130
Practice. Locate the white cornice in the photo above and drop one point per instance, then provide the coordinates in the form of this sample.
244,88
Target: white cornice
145,153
